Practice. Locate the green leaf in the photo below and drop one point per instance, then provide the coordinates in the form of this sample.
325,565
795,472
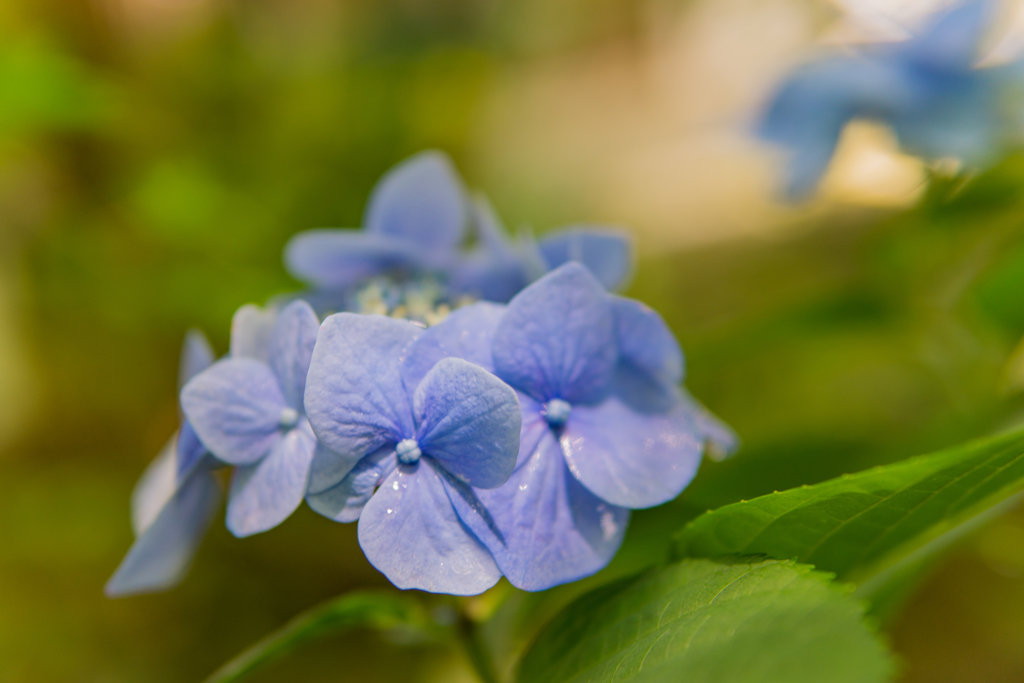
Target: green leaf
874,527
356,610
703,622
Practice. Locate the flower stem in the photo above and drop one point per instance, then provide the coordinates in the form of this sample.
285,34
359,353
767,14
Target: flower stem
477,653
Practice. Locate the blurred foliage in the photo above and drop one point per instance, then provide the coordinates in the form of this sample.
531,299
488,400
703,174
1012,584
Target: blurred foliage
151,169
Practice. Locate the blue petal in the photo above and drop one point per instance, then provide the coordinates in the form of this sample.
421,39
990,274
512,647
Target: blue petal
335,259
721,439
235,407
646,343
495,270
420,201
632,459
606,252
534,428
155,487
557,338
196,356
542,527
251,327
952,39
355,399
338,490
468,420
291,347
161,556
267,493
466,333
812,106
410,532
960,120
190,449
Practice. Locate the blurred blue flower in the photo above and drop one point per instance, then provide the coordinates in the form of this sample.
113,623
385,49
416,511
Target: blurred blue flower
174,501
927,88
604,428
395,444
415,228
248,410
499,268
414,222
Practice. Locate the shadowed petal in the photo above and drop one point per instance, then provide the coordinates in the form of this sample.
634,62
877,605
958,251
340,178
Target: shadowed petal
190,449
468,420
265,494
161,556
534,427
355,399
497,269
813,105
557,338
542,527
410,532
466,333
196,356
606,252
631,459
721,439
339,493
646,343
951,40
235,407
155,487
334,259
251,327
421,202
291,347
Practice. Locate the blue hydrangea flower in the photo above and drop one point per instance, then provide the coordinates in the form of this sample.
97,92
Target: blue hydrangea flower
604,428
393,444
499,268
248,410
416,224
927,88
174,501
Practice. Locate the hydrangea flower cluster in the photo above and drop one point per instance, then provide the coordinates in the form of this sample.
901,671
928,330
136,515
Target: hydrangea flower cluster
480,410
928,89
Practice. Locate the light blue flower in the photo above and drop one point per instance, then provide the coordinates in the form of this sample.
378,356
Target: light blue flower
395,442
248,410
414,222
499,268
174,501
927,88
591,447
416,226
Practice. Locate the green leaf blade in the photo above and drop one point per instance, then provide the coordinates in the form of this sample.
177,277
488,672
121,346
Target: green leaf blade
857,525
705,622
379,611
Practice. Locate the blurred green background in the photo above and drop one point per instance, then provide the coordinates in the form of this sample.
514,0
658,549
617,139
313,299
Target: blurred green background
155,156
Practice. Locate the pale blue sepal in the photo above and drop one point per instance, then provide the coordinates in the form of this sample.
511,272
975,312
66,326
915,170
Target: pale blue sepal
267,493
606,252
411,533
161,556
355,399
468,420
632,459
339,490
557,338
542,527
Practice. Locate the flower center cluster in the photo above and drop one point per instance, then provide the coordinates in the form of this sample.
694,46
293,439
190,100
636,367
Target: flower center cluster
421,300
289,418
408,451
556,412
